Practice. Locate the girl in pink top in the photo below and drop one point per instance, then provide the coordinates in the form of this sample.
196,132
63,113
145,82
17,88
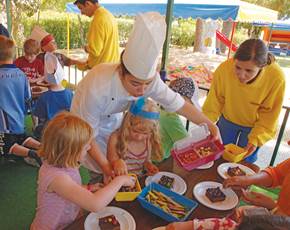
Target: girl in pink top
131,147
61,195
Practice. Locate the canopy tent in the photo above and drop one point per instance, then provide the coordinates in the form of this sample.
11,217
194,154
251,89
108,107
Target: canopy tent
223,9
235,10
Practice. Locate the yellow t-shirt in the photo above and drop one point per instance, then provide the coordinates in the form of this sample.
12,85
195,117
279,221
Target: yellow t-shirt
255,105
103,38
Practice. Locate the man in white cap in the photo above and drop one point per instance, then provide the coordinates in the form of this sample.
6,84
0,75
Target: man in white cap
48,44
108,88
102,37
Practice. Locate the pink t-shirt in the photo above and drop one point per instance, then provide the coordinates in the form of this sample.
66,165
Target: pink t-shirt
54,212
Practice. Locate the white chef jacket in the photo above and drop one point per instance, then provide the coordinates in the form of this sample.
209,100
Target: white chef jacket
100,99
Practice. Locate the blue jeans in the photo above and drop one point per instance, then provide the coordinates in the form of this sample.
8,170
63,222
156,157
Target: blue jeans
236,134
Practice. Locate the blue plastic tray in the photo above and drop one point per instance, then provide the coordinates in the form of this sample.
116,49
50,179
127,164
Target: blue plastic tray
189,204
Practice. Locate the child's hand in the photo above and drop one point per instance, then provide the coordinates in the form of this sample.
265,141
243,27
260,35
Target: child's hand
258,199
236,182
129,181
151,168
120,167
239,213
95,187
187,225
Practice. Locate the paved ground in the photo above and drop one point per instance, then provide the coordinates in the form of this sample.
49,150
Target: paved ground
182,57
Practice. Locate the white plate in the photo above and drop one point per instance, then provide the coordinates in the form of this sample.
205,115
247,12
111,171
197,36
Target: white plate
206,166
223,169
230,202
179,185
125,219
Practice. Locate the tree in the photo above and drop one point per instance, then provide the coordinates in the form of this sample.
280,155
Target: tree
282,6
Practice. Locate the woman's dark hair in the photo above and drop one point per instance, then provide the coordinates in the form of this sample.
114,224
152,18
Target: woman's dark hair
264,222
254,50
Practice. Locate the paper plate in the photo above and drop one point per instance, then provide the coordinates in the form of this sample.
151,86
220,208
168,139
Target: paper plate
179,185
230,202
125,219
40,90
223,169
206,166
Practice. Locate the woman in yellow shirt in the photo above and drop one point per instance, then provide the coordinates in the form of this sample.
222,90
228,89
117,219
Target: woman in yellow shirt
246,97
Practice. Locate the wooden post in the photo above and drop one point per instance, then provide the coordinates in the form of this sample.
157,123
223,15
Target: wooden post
9,16
169,13
68,35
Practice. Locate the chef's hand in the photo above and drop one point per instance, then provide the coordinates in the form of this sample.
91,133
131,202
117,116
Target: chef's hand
215,132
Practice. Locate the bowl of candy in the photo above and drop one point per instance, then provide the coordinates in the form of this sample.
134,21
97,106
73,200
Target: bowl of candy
165,203
127,193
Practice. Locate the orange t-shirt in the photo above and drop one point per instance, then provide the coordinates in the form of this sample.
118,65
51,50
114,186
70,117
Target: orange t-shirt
281,177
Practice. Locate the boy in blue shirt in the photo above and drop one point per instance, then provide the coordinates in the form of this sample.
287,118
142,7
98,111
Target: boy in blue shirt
56,99
14,98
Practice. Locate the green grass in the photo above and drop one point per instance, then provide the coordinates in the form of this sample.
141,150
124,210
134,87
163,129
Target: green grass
18,193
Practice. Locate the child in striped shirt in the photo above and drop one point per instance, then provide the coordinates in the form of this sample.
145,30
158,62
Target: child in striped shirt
137,141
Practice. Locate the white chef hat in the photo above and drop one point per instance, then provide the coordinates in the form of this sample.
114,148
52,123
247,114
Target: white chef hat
53,71
144,44
41,36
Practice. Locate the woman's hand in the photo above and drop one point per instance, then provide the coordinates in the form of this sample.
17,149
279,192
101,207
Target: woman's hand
151,168
120,167
250,148
237,182
258,199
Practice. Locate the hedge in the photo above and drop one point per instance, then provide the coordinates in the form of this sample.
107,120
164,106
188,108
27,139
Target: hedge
56,23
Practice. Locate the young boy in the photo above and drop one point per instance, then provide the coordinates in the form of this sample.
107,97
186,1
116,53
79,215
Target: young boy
14,98
56,99
29,64
48,44
171,127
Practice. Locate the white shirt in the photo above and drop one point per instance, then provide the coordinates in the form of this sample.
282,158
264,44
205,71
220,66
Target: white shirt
100,99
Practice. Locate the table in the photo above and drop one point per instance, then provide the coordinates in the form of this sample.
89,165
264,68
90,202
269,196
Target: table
145,220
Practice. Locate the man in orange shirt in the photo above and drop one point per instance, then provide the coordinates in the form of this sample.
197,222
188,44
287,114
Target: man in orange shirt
269,177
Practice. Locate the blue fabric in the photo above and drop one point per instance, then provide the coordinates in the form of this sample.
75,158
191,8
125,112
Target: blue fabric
14,98
52,102
136,109
236,134
4,31
279,25
213,11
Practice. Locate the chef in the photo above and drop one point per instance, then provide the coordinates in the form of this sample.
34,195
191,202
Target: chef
106,91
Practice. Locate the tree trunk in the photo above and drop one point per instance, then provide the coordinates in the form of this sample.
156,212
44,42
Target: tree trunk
198,36
227,28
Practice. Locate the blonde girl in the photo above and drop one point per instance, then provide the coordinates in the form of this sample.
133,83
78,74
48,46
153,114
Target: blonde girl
61,195
137,141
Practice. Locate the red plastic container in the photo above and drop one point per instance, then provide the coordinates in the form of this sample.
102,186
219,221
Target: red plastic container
189,157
